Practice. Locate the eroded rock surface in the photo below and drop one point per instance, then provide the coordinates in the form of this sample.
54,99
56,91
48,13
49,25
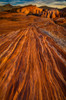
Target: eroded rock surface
32,62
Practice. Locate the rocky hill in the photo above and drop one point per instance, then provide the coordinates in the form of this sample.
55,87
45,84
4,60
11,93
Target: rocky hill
6,7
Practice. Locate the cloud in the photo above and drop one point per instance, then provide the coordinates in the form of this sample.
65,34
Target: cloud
52,3
3,3
58,4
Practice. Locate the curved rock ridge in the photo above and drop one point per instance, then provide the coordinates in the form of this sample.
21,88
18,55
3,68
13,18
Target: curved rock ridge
32,66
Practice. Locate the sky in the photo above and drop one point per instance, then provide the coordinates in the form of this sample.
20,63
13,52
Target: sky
50,3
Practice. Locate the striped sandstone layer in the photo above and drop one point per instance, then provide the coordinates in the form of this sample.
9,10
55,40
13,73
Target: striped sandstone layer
32,66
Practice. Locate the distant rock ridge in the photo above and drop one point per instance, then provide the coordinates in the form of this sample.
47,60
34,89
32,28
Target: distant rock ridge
8,5
52,13
34,10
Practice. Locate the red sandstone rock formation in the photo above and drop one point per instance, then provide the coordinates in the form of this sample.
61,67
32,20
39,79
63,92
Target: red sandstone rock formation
51,13
30,9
